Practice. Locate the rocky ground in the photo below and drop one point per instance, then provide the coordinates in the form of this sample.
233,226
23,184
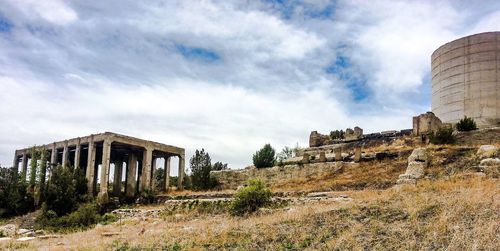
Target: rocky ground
453,204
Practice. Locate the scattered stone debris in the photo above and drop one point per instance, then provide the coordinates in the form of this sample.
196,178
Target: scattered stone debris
5,239
490,166
417,162
26,239
128,213
487,151
49,236
108,234
26,232
8,230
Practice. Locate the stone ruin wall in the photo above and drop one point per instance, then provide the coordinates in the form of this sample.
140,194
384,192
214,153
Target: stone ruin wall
232,179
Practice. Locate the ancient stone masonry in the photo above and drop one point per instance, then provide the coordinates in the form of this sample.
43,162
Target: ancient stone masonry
426,123
132,158
231,179
352,135
417,162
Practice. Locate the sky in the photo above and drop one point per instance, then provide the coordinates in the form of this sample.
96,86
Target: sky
226,76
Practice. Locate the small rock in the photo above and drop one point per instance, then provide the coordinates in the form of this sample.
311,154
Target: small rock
40,232
8,230
487,151
98,225
25,232
50,236
26,239
317,194
108,234
343,196
490,162
60,243
5,239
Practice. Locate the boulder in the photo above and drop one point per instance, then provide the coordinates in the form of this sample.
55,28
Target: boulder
487,151
415,170
418,155
490,166
417,162
8,230
25,232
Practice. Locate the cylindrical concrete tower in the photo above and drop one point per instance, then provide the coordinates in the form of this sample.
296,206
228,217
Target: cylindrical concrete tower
466,79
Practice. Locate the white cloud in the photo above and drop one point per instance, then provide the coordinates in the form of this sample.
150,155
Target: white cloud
54,11
116,68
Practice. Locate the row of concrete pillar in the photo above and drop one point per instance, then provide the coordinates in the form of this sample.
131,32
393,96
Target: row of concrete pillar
145,179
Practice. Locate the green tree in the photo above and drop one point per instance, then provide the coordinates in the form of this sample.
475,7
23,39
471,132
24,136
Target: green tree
265,157
14,196
218,166
65,190
201,166
466,124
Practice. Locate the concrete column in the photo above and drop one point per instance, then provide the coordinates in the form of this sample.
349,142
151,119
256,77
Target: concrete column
166,182
77,154
15,165
180,180
147,158
53,156
90,167
65,154
24,166
357,154
104,175
117,179
153,169
131,178
338,154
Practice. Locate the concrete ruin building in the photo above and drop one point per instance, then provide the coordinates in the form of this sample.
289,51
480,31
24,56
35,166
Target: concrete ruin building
466,79
426,123
136,158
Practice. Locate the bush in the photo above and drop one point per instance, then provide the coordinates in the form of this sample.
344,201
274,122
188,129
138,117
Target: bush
466,124
264,157
219,166
443,135
337,134
86,215
250,198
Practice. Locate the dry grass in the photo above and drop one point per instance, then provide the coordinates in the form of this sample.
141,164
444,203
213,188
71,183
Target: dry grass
446,215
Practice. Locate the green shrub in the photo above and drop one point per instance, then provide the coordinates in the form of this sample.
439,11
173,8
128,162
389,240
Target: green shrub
86,215
443,135
250,198
264,157
466,124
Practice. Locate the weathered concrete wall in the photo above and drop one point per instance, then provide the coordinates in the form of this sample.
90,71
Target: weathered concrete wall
231,179
465,79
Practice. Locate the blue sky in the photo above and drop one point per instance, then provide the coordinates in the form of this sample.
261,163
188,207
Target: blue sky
228,76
